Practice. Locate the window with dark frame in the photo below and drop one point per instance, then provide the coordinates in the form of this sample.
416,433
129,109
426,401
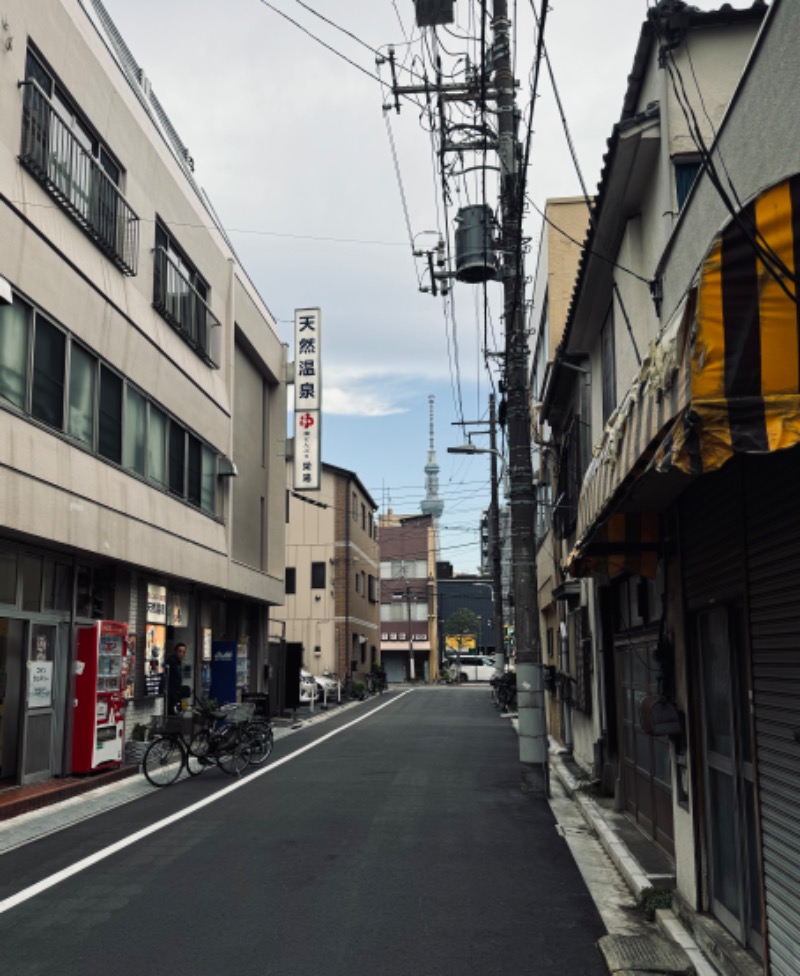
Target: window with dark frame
181,296
290,580
318,576
104,413
65,154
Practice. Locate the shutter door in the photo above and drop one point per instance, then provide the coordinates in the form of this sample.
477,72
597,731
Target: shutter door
712,540
773,564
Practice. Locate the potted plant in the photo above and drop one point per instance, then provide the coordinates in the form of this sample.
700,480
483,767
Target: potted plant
136,746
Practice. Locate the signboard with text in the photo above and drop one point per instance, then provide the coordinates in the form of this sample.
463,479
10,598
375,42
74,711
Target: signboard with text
307,398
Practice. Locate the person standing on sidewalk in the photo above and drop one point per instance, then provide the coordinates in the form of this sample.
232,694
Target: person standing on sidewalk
173,668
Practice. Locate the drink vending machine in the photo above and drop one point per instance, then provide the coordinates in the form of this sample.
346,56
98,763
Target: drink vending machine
98,730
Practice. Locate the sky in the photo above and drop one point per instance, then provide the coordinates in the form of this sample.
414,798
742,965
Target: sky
322,192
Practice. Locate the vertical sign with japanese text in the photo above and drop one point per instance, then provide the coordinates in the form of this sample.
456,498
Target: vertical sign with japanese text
307,398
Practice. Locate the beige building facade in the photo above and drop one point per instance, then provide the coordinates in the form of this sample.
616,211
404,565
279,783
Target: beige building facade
142,389
331,614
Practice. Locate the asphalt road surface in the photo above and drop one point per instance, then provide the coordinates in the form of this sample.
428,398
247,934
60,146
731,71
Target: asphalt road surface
392,839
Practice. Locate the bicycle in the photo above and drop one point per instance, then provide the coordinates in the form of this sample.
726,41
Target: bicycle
225,746
375,683
229,738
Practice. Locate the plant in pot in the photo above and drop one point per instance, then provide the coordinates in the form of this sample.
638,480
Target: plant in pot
136,746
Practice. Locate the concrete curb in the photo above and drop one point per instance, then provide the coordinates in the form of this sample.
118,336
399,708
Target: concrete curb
630,869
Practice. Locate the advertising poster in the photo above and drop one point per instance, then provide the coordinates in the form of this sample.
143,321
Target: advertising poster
129,667
154,658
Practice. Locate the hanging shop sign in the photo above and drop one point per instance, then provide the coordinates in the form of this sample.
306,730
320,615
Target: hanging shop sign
307,398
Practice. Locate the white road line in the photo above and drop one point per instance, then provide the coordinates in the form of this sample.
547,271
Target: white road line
41,886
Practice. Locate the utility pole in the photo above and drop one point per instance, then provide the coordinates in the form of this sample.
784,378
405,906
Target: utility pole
533,751
532,728
497,561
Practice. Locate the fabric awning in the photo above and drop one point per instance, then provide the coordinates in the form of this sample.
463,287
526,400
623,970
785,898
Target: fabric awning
723,378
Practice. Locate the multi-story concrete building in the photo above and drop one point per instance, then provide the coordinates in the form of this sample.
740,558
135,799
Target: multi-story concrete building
332,609
142,389
409,602
564,227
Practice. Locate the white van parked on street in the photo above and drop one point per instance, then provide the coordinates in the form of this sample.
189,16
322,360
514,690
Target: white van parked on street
472,667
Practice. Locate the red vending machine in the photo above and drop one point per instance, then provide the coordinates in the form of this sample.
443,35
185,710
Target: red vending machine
98,730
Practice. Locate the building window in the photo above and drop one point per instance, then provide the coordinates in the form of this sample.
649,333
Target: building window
289,582
15,330
157,446
318,576
109,437
82,392
208,489
685,175
134,455
103,412
47,398
63,152
363,516
181,295
177,458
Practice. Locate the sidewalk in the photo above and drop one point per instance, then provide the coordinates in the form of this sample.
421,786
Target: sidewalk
643,866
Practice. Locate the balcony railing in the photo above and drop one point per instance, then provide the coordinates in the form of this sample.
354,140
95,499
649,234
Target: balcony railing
182,306
54,156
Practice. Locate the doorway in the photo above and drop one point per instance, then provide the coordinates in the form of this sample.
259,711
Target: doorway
12,643
645,762
728,774
33,672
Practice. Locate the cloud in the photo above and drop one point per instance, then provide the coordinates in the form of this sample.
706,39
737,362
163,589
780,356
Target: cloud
359,402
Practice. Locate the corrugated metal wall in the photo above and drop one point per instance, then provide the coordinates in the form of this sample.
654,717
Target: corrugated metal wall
773,568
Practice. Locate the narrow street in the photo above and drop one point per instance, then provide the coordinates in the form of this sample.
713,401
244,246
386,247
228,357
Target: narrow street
392,838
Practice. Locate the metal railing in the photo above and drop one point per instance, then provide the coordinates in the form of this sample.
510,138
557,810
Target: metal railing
55,157
178,301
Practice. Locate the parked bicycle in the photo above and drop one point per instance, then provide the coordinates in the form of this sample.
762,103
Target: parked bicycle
504,691
375,684
448,675
226,739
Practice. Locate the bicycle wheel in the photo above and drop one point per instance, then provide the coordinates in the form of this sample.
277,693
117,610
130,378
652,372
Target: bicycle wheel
197,755
260,739
164,761
234,757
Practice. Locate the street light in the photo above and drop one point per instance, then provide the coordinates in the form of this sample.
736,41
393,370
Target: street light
470,448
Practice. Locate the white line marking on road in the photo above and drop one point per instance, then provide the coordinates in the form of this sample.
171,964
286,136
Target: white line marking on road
41,886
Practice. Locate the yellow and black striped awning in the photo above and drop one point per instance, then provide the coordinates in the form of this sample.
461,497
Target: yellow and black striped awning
723,379
745,357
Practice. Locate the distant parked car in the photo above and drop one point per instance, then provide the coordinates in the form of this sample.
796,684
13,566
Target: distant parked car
329,683
308,687
473,667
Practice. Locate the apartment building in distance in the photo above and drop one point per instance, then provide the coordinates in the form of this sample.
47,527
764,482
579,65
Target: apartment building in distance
332,610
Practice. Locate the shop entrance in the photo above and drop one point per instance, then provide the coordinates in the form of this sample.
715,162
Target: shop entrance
33,665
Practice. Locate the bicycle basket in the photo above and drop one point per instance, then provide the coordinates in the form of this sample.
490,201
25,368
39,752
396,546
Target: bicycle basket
238,712
169,724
